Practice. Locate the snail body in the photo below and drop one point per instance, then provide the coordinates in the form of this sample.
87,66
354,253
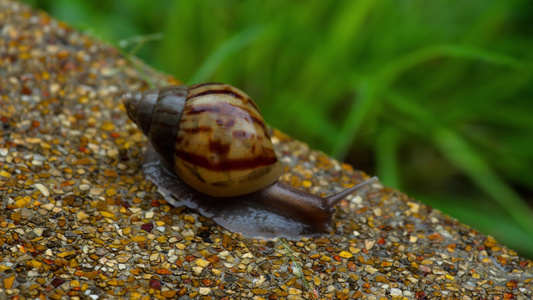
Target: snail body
210,150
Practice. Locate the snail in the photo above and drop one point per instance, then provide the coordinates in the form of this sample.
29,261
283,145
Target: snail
210,149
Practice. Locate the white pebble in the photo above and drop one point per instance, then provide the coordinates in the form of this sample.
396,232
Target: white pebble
396,292
48,206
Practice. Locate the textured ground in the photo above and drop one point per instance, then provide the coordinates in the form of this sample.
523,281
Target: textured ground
78,219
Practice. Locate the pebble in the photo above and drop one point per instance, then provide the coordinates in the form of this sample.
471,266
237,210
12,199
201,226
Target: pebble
48,206
96,191
202,262
345,254
44,190
396,292
84,187
81,215
38,231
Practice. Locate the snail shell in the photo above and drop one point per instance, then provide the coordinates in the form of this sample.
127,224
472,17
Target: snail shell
222,145
212,137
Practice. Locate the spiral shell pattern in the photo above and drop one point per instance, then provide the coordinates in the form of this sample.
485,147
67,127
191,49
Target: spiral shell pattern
157,113
223,146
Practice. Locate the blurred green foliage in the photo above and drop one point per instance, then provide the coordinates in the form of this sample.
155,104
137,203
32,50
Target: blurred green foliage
433,97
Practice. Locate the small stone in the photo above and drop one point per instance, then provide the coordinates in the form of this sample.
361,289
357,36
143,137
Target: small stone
204,291
156,285
154,257
5,174
189,219
96,191
202,262
187,233
259,291
512,284
38,231
48,206
138,238
345,254
394,292
34,264
83,161
370,270
57,282
135,271
147,227
322,241
169,294
110,173
490,242
293,291
85,187
307,184
81,215
23,202
107,126
8,282
369,244
44,190
66,253
113,282
163,271
16,217
123,257
413,207
107,214
110,192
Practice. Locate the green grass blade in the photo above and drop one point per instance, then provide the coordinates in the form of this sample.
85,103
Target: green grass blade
387,143
465,158
364,100
237,42
393,70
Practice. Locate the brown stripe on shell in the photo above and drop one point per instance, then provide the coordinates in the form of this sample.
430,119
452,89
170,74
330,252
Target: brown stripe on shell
219,148
199,85
227,165
227,109
252,103
217,92
222,89
194,130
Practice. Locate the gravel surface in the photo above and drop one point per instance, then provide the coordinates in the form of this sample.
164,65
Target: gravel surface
79,220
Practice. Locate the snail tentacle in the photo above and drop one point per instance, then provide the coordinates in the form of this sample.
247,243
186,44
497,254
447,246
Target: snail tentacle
334,199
